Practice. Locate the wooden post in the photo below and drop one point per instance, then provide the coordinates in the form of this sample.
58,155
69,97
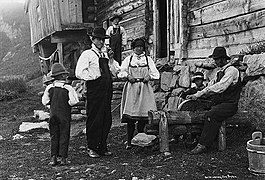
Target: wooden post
222,137
183,26
156,26
176,25
60,52
168,29
163,134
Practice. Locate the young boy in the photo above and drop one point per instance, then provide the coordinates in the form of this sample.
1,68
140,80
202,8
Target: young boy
198,79
60,96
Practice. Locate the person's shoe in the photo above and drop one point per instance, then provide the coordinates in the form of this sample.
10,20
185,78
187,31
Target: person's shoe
63,161
199,149
93,154
54,161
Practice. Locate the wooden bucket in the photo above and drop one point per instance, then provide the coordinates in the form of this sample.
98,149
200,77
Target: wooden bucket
256,153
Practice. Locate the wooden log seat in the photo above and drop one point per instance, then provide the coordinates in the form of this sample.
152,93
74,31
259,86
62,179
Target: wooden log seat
181,122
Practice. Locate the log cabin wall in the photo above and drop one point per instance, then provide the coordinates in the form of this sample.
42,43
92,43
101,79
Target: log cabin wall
235,24
44,19
60,25
50,16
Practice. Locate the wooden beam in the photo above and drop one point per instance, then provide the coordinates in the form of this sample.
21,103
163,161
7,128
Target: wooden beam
68,36
155,29
168,27
224,10
60,52
183,31
229,26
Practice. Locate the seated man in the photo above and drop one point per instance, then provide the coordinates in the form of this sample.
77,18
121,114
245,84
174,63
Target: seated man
225,91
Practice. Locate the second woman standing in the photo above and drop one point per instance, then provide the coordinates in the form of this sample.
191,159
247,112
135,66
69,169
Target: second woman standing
137,96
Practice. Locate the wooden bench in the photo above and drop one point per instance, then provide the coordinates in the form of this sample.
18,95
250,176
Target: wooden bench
181,118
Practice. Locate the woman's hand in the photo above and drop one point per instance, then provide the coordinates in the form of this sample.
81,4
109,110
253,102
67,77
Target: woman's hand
131,79
146,79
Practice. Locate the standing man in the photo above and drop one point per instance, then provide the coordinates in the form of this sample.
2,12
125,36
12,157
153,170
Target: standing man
96,68
225,90
118,38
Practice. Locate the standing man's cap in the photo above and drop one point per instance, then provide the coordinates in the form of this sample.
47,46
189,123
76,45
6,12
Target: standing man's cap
115,16
58,69
219,52
99,32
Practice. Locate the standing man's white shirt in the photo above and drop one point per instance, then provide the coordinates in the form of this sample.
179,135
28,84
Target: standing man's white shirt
87,67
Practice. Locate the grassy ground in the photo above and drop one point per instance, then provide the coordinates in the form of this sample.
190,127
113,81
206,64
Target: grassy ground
28,158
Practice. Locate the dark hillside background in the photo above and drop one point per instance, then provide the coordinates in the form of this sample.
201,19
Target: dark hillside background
16,56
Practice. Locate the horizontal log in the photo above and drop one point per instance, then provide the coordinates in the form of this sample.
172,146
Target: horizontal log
242,23
188,117
235,43
68,36
177,117
224,10
198,4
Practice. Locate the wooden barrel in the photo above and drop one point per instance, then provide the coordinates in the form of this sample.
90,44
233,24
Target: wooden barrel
256,153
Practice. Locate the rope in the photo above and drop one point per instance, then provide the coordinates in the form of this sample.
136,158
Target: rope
48,58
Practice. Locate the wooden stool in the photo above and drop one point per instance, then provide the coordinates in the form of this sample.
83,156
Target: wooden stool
184,118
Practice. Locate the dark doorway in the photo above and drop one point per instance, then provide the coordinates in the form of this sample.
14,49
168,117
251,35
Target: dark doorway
162,7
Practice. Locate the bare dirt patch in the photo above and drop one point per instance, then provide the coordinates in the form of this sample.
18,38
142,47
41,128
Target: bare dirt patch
28,158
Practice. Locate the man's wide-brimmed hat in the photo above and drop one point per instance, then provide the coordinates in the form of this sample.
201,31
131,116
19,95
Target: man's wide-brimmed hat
197,75
58,69
99,32
115,16
219,52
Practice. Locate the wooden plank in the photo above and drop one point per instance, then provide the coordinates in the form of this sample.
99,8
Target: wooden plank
198,4
155,29
64,11
168,27
72,11
171,22
139,21
60,52
205,52
139,11
222,137
245,37
106,9
75,11
79,11
68,36
56,15
176,21
224,10
177,117
238,24
43,18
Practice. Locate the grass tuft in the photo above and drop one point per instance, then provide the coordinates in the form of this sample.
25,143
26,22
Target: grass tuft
11,88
